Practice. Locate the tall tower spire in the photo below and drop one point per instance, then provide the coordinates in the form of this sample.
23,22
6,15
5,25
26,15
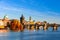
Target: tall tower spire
22,19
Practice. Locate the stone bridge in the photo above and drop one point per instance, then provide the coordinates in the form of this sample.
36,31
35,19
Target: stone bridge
39,26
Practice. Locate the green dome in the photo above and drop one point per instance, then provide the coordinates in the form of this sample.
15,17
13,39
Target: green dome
5,16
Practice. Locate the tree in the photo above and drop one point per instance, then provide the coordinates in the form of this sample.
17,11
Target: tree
16,25
45,21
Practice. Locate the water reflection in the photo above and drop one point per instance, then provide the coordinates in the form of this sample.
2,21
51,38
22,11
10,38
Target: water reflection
31,35
4,33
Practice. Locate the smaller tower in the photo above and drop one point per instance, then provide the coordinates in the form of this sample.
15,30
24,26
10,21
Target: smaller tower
30,19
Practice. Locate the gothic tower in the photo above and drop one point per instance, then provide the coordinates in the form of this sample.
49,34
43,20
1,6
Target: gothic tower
22,19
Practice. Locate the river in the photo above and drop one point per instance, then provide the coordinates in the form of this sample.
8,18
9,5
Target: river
32,35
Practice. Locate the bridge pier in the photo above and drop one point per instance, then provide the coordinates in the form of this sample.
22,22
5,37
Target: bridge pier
55,27
36,27
32,27
45,27
28,27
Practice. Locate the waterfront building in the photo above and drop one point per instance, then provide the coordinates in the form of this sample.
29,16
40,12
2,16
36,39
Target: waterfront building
6,21
4,24
1,24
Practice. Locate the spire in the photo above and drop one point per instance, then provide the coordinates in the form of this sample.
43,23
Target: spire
30,19
22,17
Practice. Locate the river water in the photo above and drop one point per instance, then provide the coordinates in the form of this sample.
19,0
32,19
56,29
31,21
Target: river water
32,35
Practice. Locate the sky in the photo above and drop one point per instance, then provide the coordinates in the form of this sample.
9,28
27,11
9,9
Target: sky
39,10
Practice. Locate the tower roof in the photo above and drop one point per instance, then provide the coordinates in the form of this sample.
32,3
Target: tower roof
22,17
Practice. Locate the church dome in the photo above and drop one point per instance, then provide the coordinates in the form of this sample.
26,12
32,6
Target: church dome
5,17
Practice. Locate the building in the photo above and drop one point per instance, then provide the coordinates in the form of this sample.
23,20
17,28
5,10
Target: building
1,24
4,22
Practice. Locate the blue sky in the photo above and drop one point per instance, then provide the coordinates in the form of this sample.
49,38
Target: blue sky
39,10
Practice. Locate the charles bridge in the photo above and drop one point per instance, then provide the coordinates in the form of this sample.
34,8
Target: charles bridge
39,26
